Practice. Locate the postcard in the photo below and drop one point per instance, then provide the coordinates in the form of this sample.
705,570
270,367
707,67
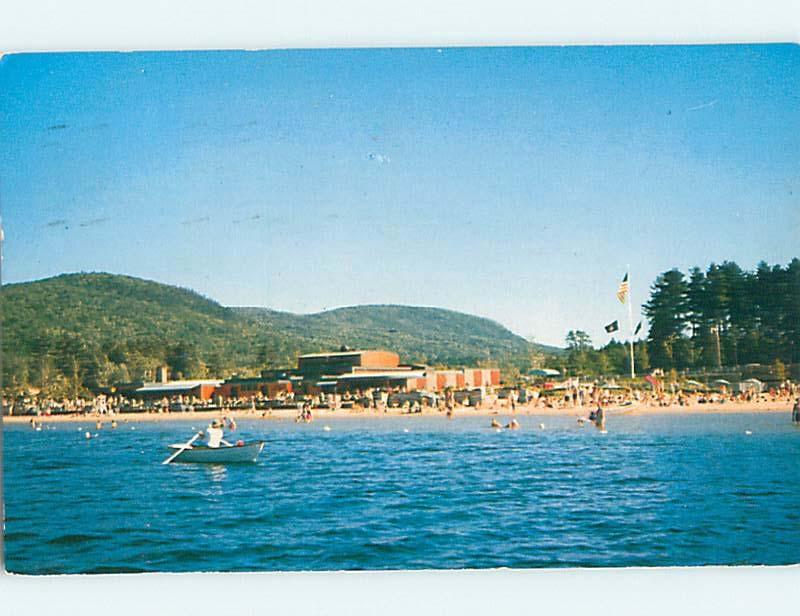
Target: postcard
400,309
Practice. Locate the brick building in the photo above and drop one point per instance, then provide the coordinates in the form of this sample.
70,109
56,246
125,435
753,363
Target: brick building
353,370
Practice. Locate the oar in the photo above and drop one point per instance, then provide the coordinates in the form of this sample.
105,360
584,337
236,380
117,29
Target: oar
182,448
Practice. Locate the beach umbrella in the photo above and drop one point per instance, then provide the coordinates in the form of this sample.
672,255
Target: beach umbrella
695,383
721,382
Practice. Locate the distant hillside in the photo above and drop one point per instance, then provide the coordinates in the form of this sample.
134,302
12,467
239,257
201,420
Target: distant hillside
77,330
422,335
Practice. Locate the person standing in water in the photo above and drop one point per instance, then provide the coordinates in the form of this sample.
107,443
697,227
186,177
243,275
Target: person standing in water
600,418
796,412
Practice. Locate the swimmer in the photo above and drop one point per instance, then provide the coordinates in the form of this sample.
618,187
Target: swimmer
495,424
600,418
513,425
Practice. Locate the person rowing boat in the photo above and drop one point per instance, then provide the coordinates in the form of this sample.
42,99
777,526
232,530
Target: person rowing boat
214,434
215,449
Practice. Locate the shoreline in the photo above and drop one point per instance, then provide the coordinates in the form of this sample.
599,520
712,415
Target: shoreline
521,411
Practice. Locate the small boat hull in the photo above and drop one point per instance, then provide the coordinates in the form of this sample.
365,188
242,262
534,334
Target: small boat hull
220,455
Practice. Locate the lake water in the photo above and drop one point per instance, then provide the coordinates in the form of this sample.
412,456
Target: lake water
655,490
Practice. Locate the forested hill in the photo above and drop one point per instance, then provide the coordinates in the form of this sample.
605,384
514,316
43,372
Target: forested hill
78,330
423,335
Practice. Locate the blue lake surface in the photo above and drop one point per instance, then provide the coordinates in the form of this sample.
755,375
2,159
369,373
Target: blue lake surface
655,490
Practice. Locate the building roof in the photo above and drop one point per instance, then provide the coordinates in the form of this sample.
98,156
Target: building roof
385,374
332,354
544,372
253,379
176,386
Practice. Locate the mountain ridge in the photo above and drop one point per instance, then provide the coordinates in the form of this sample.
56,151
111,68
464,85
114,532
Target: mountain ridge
96,328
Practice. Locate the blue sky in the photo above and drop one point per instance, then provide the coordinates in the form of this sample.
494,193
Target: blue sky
513,183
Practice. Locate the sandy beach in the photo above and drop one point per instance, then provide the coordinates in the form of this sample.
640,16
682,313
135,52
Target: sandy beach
521,410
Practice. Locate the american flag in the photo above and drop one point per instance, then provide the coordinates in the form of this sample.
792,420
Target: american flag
622,292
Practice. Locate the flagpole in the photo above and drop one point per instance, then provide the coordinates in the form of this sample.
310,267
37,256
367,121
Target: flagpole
630,320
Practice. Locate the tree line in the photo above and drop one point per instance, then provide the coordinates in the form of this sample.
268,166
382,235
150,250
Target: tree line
582,358
721,316
725,316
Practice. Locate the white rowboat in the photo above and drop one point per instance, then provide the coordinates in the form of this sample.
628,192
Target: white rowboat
219,455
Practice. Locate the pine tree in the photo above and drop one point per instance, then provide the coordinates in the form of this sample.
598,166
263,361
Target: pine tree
791,310
667,313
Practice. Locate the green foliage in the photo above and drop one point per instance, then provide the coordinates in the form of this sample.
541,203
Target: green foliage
779,369
79,331
725,315
431,336
667,312
578,340
581,357
611,360
641,356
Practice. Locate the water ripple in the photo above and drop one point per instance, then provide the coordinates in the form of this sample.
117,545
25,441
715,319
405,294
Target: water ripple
654,491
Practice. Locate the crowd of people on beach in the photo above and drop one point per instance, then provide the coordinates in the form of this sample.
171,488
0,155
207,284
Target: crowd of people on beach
380,400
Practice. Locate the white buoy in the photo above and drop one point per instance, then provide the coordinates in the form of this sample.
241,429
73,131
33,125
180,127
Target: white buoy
498,430
327,428
133,427
541,426
405,430
87,435
747,432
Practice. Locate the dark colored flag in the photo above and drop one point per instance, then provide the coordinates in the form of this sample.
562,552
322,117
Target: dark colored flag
612,327
638,328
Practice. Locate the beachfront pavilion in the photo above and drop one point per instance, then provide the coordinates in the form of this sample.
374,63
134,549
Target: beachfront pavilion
202,389
401,379
248,387
359,370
